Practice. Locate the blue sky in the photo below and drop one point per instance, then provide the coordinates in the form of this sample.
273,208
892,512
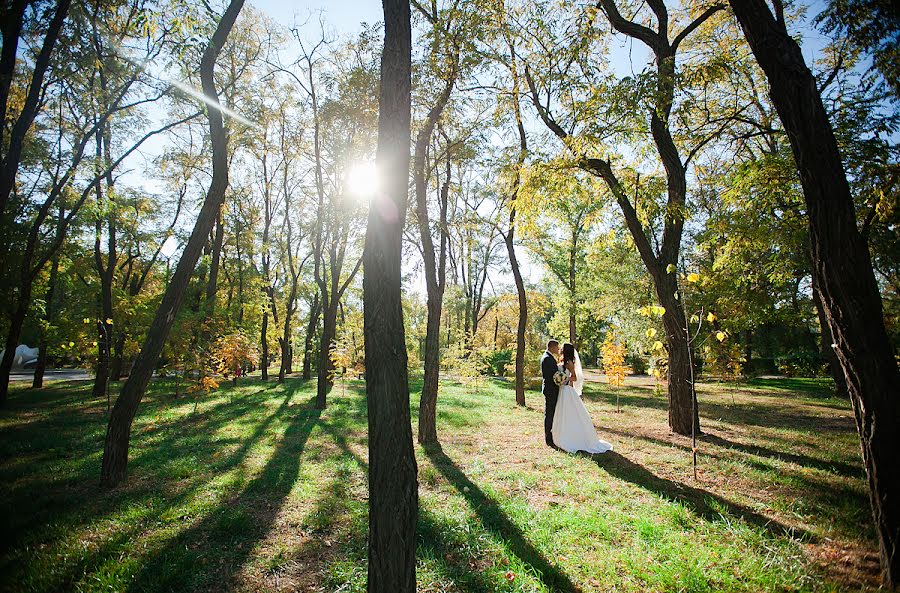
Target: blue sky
344,16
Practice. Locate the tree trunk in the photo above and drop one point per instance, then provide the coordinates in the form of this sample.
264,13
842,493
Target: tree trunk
681,398
326,345
825,344
117,362
841,267
118,433
105,271
10,162
287,358
310,335
428,399
16,321
264,347
393,488
49,314
523,314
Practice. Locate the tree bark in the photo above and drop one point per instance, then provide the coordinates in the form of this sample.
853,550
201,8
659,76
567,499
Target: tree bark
842,268
118,433
37,380
311,326
825,345
393,488
325,378
509,236
435,265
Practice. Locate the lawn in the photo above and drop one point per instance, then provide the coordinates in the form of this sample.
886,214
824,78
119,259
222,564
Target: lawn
257,491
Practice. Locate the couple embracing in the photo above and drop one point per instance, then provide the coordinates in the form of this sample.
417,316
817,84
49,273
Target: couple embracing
567,423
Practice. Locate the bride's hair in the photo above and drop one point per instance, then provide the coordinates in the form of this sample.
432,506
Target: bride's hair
568,352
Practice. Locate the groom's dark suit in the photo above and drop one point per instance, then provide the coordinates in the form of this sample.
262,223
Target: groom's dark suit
551,393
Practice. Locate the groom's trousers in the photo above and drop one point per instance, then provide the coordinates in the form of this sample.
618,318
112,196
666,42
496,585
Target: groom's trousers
549,410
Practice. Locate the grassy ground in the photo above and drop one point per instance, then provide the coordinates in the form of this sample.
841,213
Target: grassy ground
257,491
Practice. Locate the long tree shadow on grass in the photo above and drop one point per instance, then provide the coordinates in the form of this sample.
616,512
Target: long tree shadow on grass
433,542
213,550
41,494
702,502
73,512
835,467
495,521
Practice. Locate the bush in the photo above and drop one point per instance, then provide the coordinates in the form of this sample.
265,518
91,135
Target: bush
637,363
497,361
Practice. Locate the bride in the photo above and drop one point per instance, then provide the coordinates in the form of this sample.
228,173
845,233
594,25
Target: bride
573,429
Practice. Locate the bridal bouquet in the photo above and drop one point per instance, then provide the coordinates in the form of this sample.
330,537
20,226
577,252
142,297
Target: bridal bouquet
559,378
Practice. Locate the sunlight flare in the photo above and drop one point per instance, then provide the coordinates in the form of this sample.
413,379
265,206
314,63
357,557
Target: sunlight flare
362,180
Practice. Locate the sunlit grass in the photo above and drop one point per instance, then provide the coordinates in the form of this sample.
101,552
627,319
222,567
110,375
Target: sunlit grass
257,491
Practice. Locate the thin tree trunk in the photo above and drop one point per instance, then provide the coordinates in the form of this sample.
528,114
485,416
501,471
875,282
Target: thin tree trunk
264,346
10,162
311,326
393,488
842,268
326,345
49,314
509,237
118,433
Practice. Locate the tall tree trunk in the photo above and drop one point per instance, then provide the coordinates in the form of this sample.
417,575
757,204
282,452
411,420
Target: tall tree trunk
264,346
826,347
428,399
842,268
393,488
10,162
118,432
212,282
105,270
435,265
287,352
118,357
326,346
509,237
52,300
37,380
311,326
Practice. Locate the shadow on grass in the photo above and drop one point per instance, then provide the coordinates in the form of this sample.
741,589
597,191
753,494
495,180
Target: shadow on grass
495,520
839,468
213,550
836,467
815,387
702,502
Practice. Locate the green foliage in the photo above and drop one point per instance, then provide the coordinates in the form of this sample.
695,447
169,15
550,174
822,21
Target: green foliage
498,361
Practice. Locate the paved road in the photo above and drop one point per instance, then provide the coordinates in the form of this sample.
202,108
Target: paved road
53,375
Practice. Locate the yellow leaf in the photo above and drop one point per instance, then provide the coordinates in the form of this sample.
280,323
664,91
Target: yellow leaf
721,336
651,333
657,345
670,268
693,278
87,319
71,344
711,317
109,321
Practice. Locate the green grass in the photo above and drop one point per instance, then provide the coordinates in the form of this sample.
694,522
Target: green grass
258,491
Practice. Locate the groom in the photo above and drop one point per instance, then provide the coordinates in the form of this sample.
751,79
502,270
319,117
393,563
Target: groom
549,388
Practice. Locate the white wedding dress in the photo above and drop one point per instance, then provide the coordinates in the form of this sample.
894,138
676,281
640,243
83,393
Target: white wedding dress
573,429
